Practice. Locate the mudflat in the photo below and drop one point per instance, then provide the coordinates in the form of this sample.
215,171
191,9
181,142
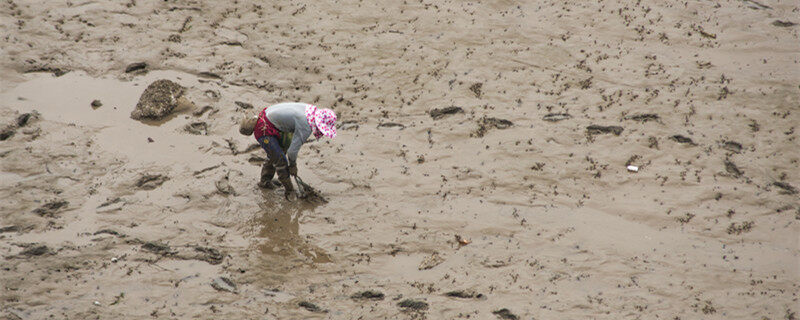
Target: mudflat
480,170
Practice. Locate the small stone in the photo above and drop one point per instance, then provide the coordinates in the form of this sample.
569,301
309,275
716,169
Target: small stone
138,66
96,104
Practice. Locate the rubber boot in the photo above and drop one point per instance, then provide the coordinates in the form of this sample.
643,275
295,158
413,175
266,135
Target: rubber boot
283,177
288,189
267,172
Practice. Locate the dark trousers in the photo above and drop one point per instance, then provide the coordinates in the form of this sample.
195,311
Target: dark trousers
276,159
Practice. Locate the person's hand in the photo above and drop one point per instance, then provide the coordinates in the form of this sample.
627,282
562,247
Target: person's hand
293,169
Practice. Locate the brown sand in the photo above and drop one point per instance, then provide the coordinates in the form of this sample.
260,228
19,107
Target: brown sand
99,222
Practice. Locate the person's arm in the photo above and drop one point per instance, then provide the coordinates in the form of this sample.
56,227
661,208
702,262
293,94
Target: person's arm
301,134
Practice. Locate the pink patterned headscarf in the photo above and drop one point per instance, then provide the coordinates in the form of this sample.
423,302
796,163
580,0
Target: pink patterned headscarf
321,121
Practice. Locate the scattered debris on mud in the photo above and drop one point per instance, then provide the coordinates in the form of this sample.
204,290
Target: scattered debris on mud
431,261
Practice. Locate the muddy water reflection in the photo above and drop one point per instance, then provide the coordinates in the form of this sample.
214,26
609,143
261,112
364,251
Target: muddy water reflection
278,228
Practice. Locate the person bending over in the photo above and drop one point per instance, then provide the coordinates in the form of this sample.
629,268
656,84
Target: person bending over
281,130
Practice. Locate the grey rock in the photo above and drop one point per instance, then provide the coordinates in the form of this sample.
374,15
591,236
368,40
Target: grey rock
158,100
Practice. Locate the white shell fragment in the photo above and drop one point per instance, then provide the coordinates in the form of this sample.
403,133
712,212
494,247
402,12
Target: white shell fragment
633,168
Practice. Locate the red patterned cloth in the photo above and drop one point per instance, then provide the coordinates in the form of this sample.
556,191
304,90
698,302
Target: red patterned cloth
264,127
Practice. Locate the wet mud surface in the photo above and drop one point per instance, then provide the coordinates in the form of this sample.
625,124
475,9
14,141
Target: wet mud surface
479,171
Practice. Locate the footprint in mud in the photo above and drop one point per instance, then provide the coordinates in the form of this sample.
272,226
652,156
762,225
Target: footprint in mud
368,295
151,181
464,294
137,67
682,139
49,209
556,117
311,307
597,129
413,305
437,114
505,314
35,251
22,120
224,284
197,128
487,123
644,117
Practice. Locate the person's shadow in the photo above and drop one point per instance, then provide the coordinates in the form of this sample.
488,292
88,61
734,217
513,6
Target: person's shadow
278,227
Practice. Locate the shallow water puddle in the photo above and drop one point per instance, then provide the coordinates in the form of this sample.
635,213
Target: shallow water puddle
68,99
278,227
